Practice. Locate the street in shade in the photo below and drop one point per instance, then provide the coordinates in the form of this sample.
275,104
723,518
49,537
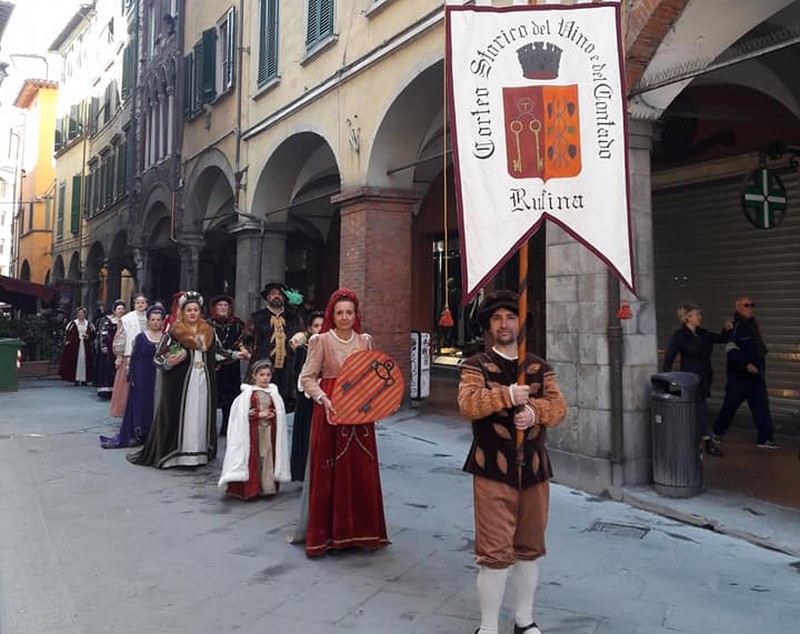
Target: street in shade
90,544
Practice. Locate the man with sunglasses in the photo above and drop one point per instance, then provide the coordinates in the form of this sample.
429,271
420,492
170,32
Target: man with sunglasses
746,365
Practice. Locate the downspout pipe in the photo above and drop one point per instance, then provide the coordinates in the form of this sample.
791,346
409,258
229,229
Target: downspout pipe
237,157
614,337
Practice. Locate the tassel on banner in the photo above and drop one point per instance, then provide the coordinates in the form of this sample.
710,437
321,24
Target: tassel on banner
625,311
446,318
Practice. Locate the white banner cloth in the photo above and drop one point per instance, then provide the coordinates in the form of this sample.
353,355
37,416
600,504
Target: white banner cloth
537,105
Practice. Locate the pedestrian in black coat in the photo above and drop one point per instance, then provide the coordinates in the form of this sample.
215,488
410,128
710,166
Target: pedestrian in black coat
695,344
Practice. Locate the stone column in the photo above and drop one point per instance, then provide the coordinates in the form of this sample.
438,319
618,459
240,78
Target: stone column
248,268
113,285
375,262
579,299
190,261
273,256
640,340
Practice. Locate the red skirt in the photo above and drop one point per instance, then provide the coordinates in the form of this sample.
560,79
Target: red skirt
345,508
252,487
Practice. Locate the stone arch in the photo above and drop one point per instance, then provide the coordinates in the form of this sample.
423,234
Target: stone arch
25,271
94,274
210,187
410,130
58,268
671,34
293,194
74,270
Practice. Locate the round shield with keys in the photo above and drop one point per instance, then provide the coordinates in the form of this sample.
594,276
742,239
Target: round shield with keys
369,386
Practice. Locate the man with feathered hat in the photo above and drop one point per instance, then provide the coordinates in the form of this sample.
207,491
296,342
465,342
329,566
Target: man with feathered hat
267,333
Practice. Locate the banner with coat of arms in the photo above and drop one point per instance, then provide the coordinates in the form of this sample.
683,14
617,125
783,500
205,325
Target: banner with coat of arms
537,105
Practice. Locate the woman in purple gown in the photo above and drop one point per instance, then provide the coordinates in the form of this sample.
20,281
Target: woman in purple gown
139,407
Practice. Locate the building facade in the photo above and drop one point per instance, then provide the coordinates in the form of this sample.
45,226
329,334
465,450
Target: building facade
31,258
305,142
95,150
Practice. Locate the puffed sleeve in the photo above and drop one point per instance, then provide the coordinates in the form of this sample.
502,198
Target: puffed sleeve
312,369
477,399
551,408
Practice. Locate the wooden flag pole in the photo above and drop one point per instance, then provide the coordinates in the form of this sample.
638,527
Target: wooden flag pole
522,345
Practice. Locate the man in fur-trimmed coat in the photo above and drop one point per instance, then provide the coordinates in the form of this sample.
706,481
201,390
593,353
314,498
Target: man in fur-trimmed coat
511,500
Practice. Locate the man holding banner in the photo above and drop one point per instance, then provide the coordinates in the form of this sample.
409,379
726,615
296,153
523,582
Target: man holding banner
510,485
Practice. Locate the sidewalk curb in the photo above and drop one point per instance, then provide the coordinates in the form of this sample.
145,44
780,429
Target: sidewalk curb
641,499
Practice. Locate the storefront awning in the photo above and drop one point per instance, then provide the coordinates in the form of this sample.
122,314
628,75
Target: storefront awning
22,294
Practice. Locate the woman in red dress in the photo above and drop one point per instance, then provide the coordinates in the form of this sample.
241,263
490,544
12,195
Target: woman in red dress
345,508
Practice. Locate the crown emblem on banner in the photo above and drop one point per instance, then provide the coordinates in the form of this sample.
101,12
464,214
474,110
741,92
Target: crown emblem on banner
539,60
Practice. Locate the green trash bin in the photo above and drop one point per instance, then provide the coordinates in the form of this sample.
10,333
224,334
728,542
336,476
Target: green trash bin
10,351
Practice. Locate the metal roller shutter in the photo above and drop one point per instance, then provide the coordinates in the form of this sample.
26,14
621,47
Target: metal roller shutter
706,251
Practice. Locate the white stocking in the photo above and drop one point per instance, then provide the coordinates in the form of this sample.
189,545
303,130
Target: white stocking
526,578
491,585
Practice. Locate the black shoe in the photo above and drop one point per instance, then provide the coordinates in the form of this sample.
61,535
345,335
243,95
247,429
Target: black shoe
711,448
77,383
531,629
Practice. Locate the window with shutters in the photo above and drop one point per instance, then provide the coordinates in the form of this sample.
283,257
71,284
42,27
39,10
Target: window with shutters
208,66
200,74
30,216
75,210
226,50
268,42
62,200
320,22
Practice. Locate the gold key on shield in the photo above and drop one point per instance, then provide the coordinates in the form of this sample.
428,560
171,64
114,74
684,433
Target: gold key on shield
536,126
516,129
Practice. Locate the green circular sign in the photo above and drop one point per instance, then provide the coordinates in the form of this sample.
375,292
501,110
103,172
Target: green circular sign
764,199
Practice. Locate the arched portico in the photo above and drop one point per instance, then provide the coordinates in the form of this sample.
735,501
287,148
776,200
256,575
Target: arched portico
58,269
95,279
291,209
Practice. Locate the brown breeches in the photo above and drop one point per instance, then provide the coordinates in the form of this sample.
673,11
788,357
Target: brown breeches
509,524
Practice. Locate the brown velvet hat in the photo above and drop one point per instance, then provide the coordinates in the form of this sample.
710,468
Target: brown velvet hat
499,299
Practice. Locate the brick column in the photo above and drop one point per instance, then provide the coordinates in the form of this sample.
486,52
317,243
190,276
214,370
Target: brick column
375,262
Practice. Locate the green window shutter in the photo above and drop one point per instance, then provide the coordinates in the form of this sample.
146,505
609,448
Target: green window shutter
75,216
320,21
94,110
268,42
87,201
312,29
325,19
209,65
62,194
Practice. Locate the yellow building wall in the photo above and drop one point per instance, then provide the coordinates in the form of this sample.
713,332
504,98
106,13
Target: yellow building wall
35,238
